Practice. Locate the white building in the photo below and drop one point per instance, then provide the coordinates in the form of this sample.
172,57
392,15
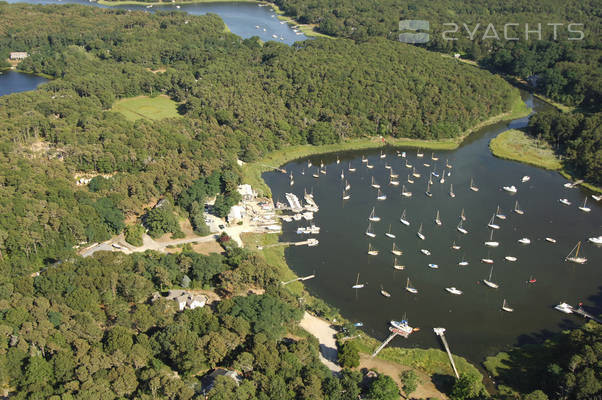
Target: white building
18,55
236,213
247,192
185,299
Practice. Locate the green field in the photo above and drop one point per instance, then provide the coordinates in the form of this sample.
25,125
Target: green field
151,108
518,146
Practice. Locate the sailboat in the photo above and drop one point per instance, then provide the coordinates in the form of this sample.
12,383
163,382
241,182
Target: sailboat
381,195
321,164
487,260
404,192
453,290
387,166
382,155
369,166
583,207
455,246
437,219
323,170
410,288
472,186
461,229
393,175
451,191
531,280
369,231
492,223
426,252
373,217
517,209
489,282
463,263
393,182
358,285
498,213
597,197
403,219
389,234
410,180
511,258
384,292
374,184
346,196
302,171
350,168
433,157
308,164
397,266
442,180
419,154
342,175
408,165
428,190
364,159
419,233
347,185
506,308
491,242
338,161
396,251
524,240
462,216
426,164
415,174
317,174
575,258
371,251
292,180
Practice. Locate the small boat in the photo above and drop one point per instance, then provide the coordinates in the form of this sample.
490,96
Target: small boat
461,229
492,223
371,251
392,175
338,161
419,233
569,185
525,178
433,266
342,175
384,292
317,174
369,231
373,217
438,220
415,174
524,240
374,184
402,326
396,265
517,209
382,155
321,164
463,263
472,186
369,166
393,182
433,157
565,308
292,180
506,308
347,185
453,290
425,252
323,171
381,195
551,240
178,7
358,285
487,260
575,258
532,280
596,240
410,288
403,154
419,154
410,180
396,251
455,246
435,174
491,242
428,190
566,202
510,189
489,282
404,192
387,166
442,180
389,234
447,164
350,168
358,324
583,207
511,258
597,197
462,216
408,165
303,171
403,219
308,164
498,213
426,165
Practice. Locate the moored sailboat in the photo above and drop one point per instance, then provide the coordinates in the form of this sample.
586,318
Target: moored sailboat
575,258
381,195
404,192
403,218
374,184
373,217
369,231
396,251
438,220
396,265
584,208
384,292
491,242
451,191
389,234
517,209
472,186
454,290
420,234
371,251
506,308
461,229
492,223
489,282
357,285
410,288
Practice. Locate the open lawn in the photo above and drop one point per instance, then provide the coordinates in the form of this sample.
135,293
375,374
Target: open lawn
151,108
518,146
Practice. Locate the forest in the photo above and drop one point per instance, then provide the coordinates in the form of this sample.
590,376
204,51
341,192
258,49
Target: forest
568,71
239,98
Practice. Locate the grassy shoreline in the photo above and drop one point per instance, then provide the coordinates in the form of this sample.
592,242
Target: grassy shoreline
252,171
167,3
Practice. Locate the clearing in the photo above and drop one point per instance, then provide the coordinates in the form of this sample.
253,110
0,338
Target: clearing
144,107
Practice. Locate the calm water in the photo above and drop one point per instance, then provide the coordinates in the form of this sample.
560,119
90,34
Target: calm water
241,18
476,326
13,81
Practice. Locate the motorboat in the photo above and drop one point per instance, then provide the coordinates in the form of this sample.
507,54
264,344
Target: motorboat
453,290
510,189
524,240
511,258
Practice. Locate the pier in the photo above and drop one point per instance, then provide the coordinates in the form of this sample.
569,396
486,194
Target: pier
394,332
585,314
309,242
441,333
301,278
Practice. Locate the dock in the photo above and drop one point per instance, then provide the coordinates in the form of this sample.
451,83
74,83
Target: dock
309,242
441,333
301,278
394,332
585,314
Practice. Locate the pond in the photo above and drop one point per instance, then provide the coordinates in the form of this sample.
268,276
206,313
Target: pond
13,81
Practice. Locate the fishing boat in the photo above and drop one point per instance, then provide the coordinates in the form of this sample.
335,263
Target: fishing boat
584,208
419,233
433,157
489,282
369,231
393,182
472,186
565,308
374,184
404,192
403,218
524,240
433,266
410,180
498,213
415,174
461,229
389,234
453,290
410,288
462,216
451,191
347,185
506,308
419,154
428,190
437,219
396,265
381,195
551,240
358,285
511,258
525,178
382,155
492,223
455,246
566,202
517,209
425,252
575,258
371,251
596,240
350,168
463,263
373,217
384,292
491,242
510,189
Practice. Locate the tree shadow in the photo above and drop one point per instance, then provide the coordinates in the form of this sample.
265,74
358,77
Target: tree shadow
443,383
